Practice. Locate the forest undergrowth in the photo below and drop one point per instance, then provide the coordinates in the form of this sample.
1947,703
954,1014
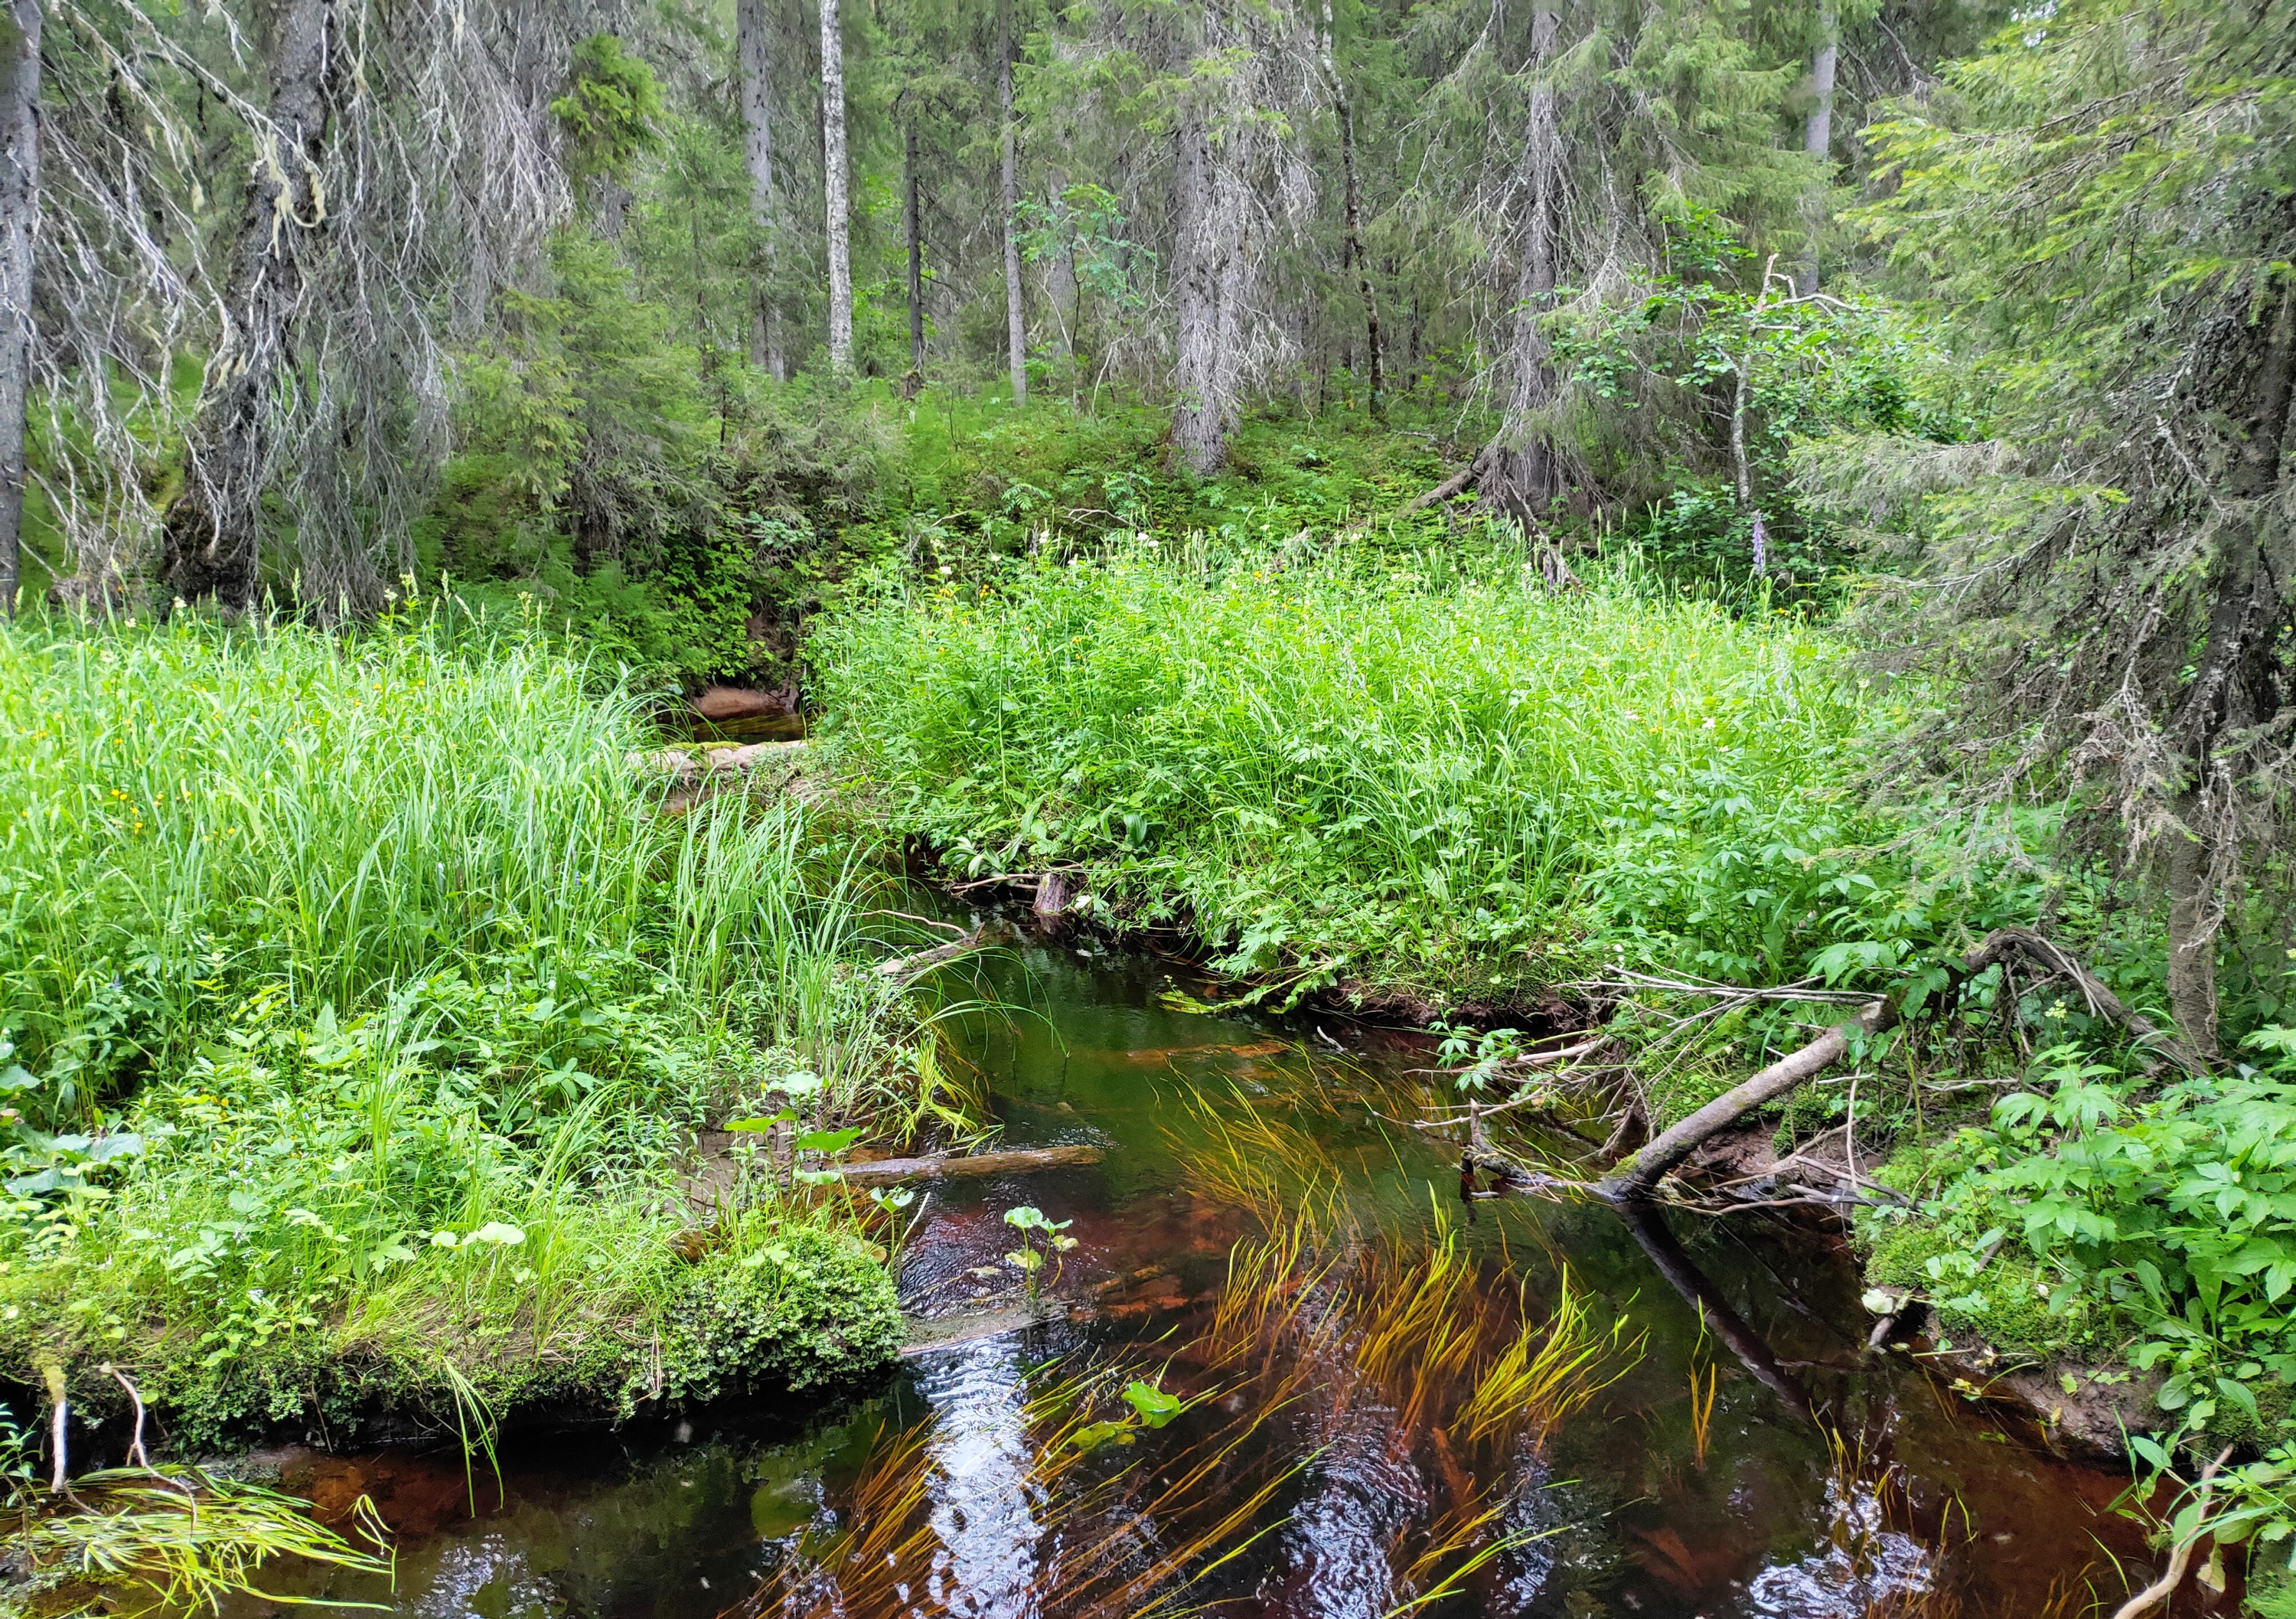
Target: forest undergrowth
1431,779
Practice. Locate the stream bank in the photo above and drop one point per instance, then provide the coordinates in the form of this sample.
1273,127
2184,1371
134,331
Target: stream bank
1744,1455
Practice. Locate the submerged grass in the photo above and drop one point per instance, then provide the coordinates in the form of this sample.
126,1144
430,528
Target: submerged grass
363,1007
1322,1369
144,1540
1425,770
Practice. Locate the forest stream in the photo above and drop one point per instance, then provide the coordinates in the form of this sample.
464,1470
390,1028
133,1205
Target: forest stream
1738,1455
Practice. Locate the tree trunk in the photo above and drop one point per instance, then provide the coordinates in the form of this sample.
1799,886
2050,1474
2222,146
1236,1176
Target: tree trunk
754,46
1016,326
1063,292
1356,259
20,205
833,189
1817,141
212,533
2193,930
1351,191
2229,692
1199,431
913,228
1523,478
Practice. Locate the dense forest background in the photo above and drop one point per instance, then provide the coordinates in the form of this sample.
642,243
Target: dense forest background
641,306
1965,326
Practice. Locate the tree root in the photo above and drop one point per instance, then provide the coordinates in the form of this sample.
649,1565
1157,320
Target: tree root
2180,1556
1453,485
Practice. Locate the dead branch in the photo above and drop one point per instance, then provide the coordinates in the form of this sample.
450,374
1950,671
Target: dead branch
62,1469
1015,1160
918,961
2003,943
137,1455
1642,1173
1455,484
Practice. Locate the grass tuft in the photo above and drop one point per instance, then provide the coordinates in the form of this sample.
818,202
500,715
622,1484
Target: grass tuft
1428,769
364,1007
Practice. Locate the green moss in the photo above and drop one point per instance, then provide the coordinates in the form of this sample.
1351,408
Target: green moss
2271,1592
2009,1303
795,1309
798,1310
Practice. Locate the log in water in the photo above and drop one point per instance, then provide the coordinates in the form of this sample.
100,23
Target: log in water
886,1171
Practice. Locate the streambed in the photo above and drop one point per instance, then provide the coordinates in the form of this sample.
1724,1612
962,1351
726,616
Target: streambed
1724,1447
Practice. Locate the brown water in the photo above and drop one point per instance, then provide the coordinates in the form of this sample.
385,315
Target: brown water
1326,1470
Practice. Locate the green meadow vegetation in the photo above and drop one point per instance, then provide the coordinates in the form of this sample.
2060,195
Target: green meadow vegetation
364,1003
1349,762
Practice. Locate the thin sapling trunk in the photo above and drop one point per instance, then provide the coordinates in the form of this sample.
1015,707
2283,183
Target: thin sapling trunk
912,231
1016,322
20,205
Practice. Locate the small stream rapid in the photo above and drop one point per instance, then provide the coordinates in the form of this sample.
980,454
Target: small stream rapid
1318,1472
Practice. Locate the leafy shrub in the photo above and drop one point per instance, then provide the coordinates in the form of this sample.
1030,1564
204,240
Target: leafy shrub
2168,1215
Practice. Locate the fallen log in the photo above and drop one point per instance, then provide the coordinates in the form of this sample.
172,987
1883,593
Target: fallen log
1014,1160
1450,486
918,961
1639,1175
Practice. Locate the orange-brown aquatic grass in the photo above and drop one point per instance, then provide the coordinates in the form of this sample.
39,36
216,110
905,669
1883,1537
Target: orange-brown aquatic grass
1703,1383
1247,1156
2066,1599
1306,1344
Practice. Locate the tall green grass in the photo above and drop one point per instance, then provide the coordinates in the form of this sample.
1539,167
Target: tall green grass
1421,767
364,1000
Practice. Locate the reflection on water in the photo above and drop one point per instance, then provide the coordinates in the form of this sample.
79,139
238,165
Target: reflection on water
981,1486
1863,1566
1365,1431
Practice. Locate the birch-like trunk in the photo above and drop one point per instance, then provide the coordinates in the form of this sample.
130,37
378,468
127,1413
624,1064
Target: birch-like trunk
1523,477
1817,140
913,229
754,46
833,189
1016,321
212,533
19,206
1064,294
